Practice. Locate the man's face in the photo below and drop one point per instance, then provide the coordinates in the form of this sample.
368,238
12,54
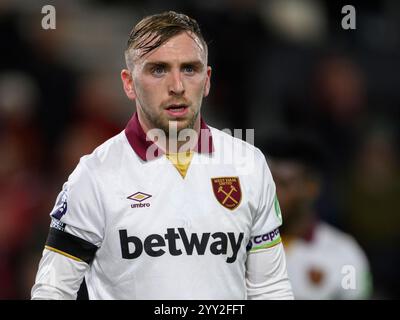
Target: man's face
169,83
296,191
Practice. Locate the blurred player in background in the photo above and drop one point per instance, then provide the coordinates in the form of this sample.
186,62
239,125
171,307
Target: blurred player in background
142,218
323,262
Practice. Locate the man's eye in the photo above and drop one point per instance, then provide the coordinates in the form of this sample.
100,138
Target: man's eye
158,70
188,69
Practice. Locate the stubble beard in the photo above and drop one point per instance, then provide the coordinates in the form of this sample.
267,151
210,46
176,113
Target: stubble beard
165,125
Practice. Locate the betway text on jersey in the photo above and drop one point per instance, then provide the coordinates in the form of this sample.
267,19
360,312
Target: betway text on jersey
156,245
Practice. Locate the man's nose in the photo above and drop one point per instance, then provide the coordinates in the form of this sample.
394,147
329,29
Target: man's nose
176,86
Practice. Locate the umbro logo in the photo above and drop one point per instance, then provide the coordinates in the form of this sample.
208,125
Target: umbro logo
139,198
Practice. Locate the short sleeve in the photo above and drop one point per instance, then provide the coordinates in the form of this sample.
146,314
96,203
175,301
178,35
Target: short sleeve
77,219
268,217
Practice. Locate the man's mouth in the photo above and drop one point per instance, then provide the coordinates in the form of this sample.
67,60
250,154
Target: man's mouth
177,110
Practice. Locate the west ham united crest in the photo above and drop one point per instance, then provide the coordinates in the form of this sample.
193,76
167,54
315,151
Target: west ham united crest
227,191
316,276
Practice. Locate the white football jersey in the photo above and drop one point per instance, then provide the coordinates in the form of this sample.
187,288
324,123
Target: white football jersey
148,233
327,264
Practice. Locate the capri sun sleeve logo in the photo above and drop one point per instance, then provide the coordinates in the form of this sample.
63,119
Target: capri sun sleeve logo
177,242
264,241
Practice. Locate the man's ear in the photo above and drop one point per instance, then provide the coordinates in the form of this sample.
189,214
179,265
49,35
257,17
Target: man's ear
127,81
208,82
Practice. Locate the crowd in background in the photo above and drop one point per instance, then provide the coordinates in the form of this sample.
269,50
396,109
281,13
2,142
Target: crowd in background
278,66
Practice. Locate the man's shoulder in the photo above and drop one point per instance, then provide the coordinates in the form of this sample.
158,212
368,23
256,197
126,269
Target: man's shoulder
105,156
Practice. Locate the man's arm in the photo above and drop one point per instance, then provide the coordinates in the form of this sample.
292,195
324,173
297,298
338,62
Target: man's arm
65,260
355,262
58,277
266,275
76,232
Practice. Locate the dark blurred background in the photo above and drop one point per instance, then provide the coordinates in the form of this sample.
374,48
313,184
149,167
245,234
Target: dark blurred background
278,66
